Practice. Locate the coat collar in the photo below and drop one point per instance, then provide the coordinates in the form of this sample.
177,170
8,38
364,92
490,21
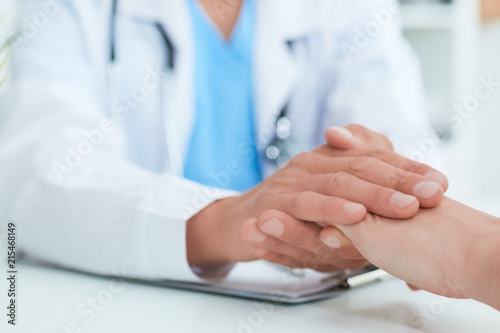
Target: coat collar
276,70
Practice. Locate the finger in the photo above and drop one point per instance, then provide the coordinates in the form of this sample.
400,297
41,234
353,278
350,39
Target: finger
339,137
386,156
365,136
334,265
381,173
334,238
251,233
403,163
278,232
377,199
313,206
283,229
378,172
356,137
299,249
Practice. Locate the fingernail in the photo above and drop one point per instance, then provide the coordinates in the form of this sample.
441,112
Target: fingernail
401,200
332,241
426,190
260,252
255,236
353,207
343,132
436,177
273,227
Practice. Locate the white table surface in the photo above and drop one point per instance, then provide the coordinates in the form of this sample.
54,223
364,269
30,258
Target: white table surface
49,299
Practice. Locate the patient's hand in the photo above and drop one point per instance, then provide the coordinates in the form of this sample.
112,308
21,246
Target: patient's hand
449,250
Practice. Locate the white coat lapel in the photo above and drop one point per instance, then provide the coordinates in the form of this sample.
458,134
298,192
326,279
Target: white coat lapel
174,16
277,71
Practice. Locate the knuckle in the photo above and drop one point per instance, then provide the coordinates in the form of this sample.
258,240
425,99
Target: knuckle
416,167
293,238
398,178
380,154
298,200
339,180
377,192
361,163
328,210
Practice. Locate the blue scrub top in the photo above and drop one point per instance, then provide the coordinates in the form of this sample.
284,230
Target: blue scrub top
222,151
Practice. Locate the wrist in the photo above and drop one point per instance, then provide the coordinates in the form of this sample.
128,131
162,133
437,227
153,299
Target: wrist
199,248
210,233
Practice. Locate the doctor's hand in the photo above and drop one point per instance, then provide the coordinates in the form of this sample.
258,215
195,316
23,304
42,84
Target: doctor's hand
280,238
357,140
317,187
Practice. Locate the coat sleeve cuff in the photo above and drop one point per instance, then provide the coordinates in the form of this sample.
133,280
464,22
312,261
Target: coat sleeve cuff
165,214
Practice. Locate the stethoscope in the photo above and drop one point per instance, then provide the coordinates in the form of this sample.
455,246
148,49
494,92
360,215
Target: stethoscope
278,152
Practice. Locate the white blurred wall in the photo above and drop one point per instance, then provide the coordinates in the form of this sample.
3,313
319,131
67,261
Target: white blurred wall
487,145
472,157
456,50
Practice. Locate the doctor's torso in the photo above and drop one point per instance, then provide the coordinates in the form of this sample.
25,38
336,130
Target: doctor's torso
299,61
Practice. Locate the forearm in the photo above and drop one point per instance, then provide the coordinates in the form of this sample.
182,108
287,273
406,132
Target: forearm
493,298
485,267
496,274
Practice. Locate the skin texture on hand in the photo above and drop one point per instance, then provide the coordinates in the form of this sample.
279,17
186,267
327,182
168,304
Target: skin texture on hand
324,187
485,262
448,250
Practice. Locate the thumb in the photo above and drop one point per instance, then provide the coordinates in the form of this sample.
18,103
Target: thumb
339,138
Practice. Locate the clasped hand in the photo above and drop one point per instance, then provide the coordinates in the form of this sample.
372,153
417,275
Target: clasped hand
281,220
335,187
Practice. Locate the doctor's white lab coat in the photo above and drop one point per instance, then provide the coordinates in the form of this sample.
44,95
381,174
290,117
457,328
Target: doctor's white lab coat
89,191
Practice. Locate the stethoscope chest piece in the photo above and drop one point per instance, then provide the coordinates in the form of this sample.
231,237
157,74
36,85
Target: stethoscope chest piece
283,147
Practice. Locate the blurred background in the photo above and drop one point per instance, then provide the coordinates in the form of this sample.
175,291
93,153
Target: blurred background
458,42
7,13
